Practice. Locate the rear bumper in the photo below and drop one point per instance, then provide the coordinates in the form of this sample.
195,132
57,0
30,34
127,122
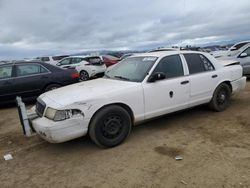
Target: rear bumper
238,85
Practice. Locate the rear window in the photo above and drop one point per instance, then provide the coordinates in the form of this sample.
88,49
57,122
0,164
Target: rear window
5,72
93,60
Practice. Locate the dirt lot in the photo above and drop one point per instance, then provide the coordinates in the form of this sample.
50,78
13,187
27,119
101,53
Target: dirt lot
215,148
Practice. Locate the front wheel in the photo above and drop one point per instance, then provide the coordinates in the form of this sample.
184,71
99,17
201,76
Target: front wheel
110,126
221,98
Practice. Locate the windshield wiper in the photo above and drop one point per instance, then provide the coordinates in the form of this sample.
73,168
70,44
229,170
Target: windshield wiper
122,78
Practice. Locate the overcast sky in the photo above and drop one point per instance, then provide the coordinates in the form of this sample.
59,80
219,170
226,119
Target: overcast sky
36,27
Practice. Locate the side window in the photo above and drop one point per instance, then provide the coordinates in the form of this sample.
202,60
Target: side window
65,61
171,66
247,51
207,64
26,70
76,60
43,70
198,63
5,72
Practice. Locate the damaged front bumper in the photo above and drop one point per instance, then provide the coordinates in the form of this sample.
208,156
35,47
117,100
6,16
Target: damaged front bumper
52,131
26,118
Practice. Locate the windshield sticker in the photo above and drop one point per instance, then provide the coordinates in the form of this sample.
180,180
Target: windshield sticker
149,58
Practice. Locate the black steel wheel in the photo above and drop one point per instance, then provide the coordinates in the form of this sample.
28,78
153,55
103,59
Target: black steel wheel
221,97
110,126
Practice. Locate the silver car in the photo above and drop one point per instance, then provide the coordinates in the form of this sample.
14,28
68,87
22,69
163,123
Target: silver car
241,55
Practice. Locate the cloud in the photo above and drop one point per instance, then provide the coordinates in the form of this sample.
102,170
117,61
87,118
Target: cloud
39,26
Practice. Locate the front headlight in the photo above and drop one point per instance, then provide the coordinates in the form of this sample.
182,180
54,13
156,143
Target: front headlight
59,115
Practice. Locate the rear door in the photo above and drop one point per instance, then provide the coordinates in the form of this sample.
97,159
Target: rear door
170,94
6,83
30,79
202,76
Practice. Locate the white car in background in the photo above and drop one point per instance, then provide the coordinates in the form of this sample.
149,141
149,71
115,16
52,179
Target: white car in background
139,88
51,59
87,66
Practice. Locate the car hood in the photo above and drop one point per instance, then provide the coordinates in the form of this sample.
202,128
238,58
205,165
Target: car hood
86,92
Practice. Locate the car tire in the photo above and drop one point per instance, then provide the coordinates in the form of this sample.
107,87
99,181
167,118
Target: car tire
221,98
84,75
110,126
51,87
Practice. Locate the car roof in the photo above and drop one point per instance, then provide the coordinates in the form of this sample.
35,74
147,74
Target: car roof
24,61
166,53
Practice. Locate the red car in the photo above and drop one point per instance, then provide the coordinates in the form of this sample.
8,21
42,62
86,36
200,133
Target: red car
110,60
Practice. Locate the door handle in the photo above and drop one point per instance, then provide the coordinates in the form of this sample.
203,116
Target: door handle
215,76
184,82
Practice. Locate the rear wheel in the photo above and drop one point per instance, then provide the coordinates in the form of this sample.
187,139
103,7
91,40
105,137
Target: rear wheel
52,87
110,126
84,75
221,98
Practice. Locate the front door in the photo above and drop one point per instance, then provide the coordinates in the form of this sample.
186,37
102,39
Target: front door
170,94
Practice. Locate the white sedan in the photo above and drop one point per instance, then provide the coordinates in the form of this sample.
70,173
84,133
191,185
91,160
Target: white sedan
138,88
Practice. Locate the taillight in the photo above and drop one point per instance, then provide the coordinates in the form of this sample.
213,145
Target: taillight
75,75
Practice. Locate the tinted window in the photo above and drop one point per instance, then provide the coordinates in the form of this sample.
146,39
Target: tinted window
24,70
207,64
198,63
94,60
5,72
171,66
44,58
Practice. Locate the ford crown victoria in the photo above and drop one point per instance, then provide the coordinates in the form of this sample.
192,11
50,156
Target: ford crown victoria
139,88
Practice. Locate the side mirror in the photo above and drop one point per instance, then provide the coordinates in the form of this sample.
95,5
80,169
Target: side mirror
243,55
58,64
157,76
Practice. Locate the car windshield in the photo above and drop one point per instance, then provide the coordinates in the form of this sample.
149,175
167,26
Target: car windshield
131,69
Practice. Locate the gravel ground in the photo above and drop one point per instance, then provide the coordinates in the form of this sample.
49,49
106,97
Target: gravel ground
215,148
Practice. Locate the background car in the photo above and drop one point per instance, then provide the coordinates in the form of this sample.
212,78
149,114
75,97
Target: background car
30,79
87,66
242,55
52,59
110,60
232,51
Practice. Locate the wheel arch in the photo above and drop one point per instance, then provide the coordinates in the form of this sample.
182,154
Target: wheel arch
51,83
226,82
125,106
